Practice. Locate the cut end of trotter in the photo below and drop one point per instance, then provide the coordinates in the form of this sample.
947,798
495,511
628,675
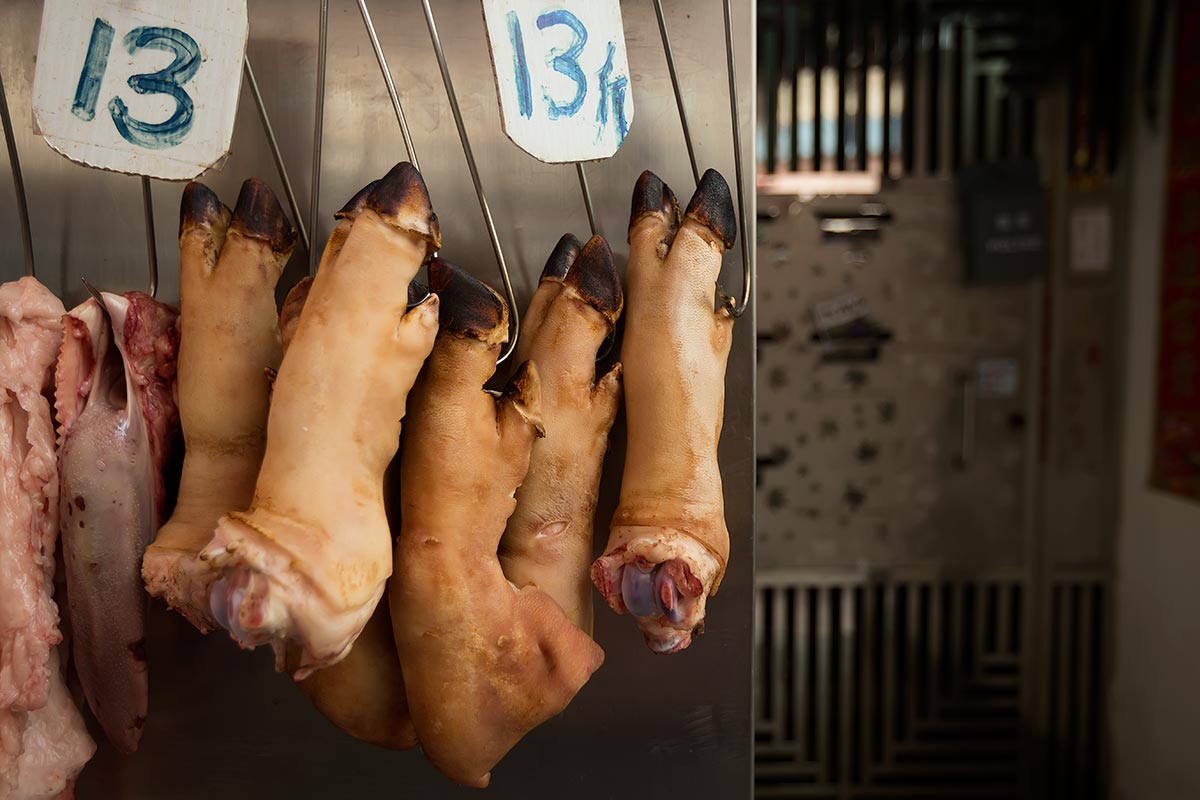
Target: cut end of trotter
357,203
712,207
561,259
594,278
260,216
400,197
469,307
201,208
652,196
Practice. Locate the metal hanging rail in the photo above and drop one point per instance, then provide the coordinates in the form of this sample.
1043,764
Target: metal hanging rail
14,162
738,308
269,130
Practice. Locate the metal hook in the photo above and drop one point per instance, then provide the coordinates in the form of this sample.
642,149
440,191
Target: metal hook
275,153
151,244
314,200
18,181
514,314
391,84
747,271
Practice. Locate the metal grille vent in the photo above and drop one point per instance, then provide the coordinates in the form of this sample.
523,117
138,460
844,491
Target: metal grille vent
902,87
913,688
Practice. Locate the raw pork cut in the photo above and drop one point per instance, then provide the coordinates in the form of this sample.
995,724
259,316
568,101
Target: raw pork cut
118,426
484,662
229,264
548,541
43,741
305,565
363,694
668,544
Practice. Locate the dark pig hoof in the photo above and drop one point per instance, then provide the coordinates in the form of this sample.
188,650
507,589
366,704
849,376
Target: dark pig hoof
259,215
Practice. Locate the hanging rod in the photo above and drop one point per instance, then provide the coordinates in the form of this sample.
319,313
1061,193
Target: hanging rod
14,162
314,200
391,84
747,271
514,313
587,198
151,243
269,130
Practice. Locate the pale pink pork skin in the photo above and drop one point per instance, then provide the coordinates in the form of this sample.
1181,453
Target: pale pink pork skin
43,741
115,399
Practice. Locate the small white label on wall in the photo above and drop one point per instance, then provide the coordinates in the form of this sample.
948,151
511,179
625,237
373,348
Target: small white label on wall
562,76
148,87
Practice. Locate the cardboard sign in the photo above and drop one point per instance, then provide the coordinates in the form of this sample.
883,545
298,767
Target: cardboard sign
148,87
562,76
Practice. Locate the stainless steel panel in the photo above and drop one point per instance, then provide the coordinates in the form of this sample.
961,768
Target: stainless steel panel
221,722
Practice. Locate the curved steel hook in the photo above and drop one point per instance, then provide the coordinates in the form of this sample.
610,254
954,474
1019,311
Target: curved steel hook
747,268
14,162
151,244
391,84
273,143
314,200
514,313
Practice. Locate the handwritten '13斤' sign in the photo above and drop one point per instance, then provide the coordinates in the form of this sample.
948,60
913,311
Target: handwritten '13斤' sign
148,87
562,76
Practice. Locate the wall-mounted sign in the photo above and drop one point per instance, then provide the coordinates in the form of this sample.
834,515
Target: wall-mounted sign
845,330
562,76
1004,211
148,87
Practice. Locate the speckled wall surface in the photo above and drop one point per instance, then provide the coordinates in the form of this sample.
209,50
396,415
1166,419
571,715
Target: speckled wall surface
861,457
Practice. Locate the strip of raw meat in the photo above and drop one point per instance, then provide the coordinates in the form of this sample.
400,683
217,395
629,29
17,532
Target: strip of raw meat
30,335
668,544
305,566
54,744
484,662
118,424
548,541
363,694
229,340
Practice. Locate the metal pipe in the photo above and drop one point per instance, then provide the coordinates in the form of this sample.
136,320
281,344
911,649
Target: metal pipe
387,78
275,154
151,244
314,202
683,120
587,198
14,162
514,314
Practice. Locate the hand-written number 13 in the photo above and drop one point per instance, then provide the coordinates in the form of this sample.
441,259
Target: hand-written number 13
168,80
566,62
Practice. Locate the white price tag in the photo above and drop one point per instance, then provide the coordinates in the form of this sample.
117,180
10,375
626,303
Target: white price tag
148,87
562,76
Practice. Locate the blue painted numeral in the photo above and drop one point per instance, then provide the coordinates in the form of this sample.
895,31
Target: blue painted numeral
566,62
94,65
615,86
169,80
520,66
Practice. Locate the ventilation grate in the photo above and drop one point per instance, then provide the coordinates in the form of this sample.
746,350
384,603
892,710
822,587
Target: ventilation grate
870,689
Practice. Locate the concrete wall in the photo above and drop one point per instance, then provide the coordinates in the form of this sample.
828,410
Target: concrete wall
1155,726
